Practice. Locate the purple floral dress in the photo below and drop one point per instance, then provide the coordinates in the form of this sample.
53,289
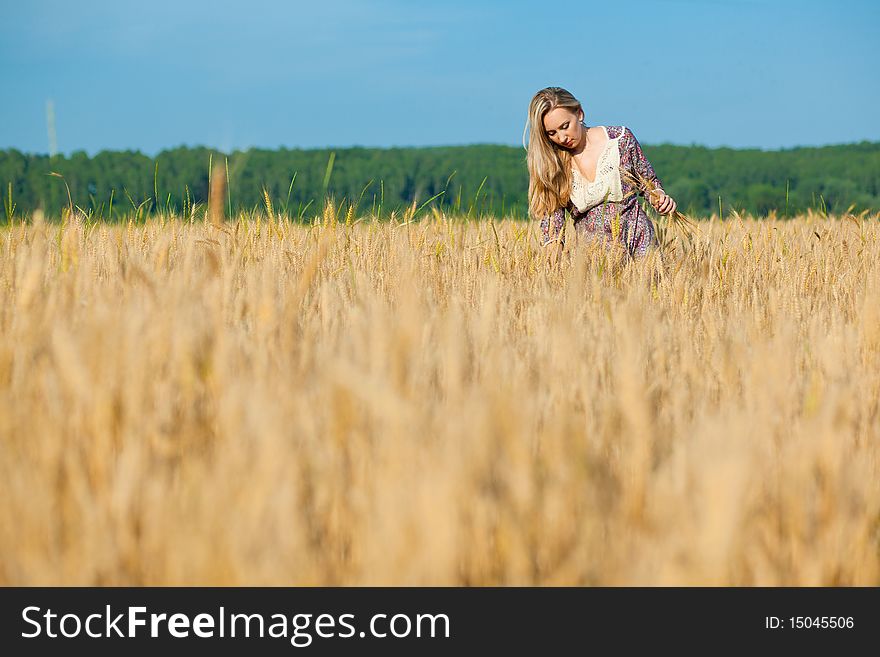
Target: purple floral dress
607,195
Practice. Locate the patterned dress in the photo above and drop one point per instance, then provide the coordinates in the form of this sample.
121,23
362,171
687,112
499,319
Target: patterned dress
595,205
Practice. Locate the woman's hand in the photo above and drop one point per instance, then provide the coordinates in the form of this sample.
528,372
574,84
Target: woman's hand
662,202
554,253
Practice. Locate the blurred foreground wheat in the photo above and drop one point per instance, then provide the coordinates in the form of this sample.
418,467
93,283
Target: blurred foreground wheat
258,402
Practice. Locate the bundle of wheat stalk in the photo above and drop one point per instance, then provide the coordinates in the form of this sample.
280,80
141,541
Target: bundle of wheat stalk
681,224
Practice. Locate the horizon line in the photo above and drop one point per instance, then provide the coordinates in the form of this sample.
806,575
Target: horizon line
281,147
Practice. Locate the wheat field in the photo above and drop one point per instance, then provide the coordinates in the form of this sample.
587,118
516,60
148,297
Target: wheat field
429,402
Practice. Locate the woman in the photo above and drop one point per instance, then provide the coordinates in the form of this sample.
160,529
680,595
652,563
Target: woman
594,172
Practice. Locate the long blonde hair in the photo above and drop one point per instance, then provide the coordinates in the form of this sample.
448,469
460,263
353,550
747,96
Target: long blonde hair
549,166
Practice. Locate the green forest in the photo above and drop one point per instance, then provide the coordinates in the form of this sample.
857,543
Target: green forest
475,179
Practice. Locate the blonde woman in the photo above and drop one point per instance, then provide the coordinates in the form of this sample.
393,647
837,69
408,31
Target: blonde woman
591,172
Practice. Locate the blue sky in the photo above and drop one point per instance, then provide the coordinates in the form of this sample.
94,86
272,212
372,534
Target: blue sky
336,73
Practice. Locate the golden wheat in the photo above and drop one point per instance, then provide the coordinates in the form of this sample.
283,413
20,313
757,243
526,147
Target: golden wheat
427,402
685,227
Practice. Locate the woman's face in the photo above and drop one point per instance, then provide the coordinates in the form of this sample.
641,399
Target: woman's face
563,127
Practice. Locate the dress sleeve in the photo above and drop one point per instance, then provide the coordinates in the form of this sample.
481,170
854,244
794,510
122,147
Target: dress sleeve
639,162
558,221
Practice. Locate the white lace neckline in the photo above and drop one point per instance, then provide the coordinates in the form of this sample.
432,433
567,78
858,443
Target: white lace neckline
598,161
606,186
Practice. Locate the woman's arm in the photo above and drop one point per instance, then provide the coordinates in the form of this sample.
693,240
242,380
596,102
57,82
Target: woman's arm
661,201
558,223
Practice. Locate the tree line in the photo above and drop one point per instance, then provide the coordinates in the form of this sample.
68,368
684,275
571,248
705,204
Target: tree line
476,179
